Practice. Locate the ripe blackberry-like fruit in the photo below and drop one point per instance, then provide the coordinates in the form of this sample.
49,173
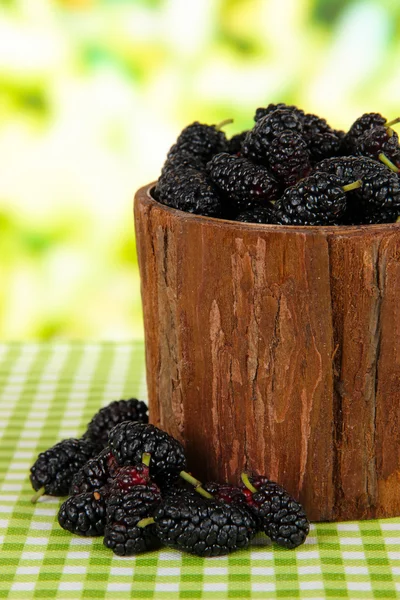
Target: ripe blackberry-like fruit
94,474
182,158
129,441
324,145
343,167
380,143
262,112
235,143
380,189
378,195
289,158
116,412
124,511
54,469
243,182
201,526
127,477
84,514
387,216
315,200
280,516
258,214
189,190
360,126
224,492
200,140
257,141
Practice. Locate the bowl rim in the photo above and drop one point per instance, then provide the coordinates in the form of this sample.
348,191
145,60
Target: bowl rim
144,193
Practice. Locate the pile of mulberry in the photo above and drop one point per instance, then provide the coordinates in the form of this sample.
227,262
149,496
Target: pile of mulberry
116,412
207,174
138,496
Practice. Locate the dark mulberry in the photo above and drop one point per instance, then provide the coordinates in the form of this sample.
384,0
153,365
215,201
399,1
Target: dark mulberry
242,182
55,468
280,516
262,112
315,200
361,125
182,158
94,474
377,141
189,190
378,196
258,214
84,514
380,189
201,526
129,441
224,492
124,511
289,158
200,140
116,412
257,141
345,168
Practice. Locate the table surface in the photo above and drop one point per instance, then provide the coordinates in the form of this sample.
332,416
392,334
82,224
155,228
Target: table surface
49,392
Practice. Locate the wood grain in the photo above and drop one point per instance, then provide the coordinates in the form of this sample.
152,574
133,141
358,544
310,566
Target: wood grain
277,350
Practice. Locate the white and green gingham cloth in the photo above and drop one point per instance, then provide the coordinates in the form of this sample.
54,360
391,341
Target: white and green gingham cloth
51,391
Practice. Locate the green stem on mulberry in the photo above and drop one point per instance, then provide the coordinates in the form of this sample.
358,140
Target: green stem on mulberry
352,186
223,123
38,494
146,456
144,522
393,122
198,486
386,161
245,478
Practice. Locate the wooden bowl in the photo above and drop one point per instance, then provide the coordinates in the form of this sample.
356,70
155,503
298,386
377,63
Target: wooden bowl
276,349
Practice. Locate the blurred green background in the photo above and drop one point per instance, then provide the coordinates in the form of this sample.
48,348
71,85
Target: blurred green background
93,93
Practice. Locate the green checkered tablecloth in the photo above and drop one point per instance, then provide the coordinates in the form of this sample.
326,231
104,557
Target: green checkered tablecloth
50,391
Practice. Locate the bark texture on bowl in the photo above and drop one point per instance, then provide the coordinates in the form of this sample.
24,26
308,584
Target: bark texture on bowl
277,349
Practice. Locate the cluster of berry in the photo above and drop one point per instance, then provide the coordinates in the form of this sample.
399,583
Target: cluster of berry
291,168
137,494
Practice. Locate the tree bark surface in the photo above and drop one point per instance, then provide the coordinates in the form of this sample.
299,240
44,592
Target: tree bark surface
277,350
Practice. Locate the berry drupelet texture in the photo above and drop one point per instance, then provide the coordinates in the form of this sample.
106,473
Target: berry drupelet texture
280,516
200,140
55,468
289,158
378,196
361,125
201,526
182,158
245,183
189,190
315,200
380,189
94,474
116,412
258,214
127,477
262,112
124,510
84,514
224,492
257,141
344,168
129,441
376,141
